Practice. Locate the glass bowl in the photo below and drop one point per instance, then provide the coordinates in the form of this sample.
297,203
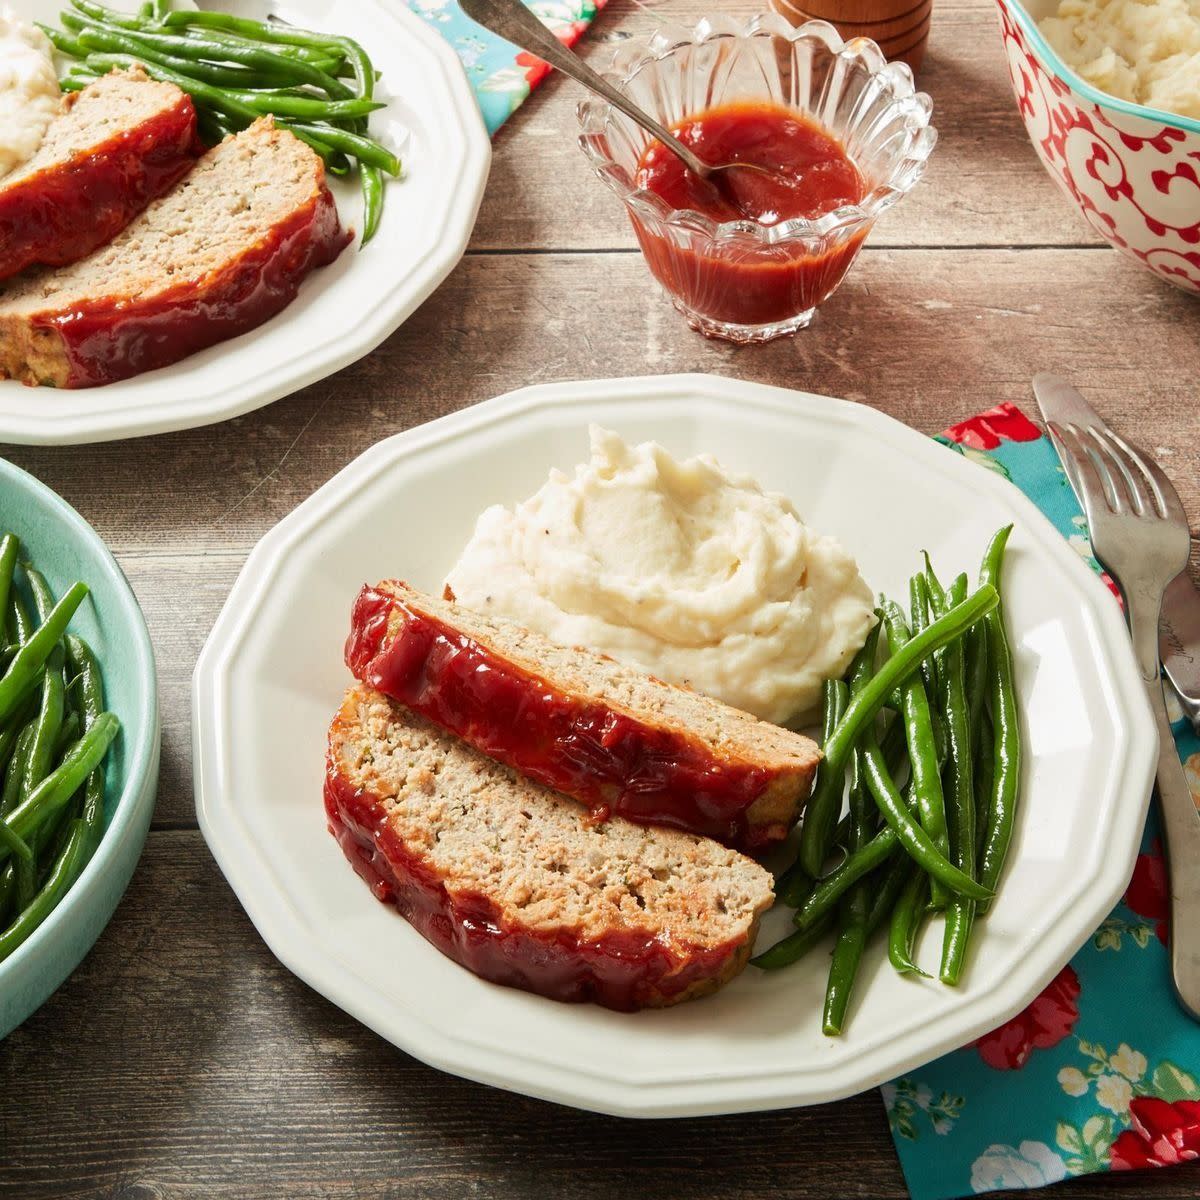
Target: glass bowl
741,280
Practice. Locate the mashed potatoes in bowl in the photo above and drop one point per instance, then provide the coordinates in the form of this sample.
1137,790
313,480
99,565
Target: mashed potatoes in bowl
1144,51
691,572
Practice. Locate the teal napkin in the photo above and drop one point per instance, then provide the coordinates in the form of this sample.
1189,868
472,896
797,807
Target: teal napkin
501,74
1102,1071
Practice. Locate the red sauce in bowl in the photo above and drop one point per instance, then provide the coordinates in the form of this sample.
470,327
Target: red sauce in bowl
742,280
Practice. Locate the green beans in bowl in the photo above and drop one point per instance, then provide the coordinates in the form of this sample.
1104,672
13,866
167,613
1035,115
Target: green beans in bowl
79,740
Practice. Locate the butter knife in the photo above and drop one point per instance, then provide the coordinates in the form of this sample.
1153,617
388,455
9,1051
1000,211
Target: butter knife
1179,622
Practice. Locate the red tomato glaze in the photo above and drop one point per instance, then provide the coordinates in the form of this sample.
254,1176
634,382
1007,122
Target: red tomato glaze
625,970
743,283
603,758
113,339
61,214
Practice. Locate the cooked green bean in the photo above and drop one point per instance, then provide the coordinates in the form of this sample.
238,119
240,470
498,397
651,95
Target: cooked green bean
354,144
905,922
372,192
793,947
847,955
895,874
1006,739
900,667
960,797
97,40
922,746
36,649
10,795
9,548
820,815
61,784
66,869
47,725
282,33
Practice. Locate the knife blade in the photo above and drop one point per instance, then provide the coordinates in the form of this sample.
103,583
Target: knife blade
1179,622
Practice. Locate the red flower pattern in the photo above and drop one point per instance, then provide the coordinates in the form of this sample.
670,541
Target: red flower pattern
1004,423
1147,892
1045,1023
1162,1135
535,69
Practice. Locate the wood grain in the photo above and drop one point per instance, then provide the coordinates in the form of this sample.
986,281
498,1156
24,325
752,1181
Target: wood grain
182,1060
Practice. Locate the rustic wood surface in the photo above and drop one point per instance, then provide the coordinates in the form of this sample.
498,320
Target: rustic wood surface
182,1059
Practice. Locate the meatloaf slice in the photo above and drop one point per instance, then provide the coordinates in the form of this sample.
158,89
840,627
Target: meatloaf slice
116,145
612,737
512,881
221,252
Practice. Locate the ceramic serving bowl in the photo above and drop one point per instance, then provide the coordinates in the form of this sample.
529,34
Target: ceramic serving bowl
1131,171
67,548
740,280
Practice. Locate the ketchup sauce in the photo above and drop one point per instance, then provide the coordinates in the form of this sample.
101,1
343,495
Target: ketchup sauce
745,281
584,748
57,215
110,339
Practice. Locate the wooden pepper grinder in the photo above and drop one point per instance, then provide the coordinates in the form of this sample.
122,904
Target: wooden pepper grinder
900,27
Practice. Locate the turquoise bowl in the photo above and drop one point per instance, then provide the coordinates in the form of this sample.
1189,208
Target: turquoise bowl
66,548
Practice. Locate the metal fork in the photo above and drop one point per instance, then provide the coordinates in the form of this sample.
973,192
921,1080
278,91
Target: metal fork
1140,534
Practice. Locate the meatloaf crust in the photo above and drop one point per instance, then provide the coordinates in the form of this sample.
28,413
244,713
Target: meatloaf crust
509,880
119,143
608,735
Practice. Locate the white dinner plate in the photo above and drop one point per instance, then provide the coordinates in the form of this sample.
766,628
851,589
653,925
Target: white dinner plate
344,310
271,674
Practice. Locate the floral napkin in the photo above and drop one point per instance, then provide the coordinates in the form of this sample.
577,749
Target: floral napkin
501,74
1102,1071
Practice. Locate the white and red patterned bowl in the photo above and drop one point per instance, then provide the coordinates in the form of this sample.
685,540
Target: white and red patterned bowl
1133,172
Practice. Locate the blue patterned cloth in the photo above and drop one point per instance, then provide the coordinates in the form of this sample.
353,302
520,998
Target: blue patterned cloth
1101,1071
501,74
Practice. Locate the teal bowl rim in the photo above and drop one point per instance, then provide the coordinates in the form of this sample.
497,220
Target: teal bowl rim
1085,89
141,744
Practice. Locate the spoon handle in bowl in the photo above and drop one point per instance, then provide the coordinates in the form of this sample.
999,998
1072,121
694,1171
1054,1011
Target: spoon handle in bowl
511,20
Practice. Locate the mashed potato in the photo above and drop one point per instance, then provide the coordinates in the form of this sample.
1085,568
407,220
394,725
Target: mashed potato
681,568
1146,51
29,95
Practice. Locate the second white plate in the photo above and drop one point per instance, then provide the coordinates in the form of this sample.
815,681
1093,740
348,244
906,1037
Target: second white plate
344,310
271,675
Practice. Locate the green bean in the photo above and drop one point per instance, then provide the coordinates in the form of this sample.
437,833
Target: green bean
984,777
91,690
847,955
18,619
17,846
61,784
900,667
896,873
976,671
46,727
354,144
1006,731
820,815
39,589
922,748
829,890
65,870
905,922
10,795
68,733
918,593
961,798
9,548
75,83
323,57
106,15
796,883
916,841
372,193
96,40
793,947
33,653
306,108
284,34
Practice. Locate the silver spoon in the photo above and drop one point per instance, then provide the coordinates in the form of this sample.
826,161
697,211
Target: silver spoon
511,20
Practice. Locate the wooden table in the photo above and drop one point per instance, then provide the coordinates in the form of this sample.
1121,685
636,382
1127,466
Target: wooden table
181,1059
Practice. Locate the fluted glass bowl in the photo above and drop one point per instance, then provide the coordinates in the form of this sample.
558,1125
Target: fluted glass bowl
741,280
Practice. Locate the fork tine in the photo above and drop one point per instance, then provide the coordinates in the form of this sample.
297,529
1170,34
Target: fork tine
1165,496
1122,468
1091,484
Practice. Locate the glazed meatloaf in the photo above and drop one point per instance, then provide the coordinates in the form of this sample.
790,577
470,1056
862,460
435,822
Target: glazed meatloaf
220,253
117,145
515,883
612,737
